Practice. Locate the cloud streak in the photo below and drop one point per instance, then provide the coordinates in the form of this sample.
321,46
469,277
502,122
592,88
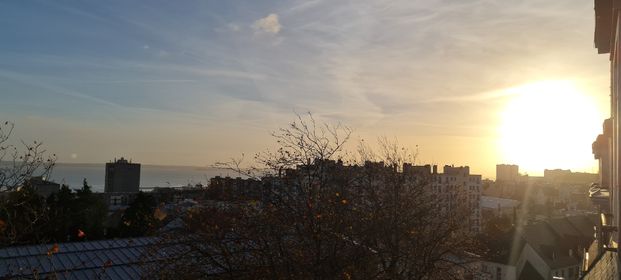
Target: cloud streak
420,67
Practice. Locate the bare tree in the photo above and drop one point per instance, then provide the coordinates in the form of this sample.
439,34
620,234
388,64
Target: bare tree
20,162
403,220
325,217
21,213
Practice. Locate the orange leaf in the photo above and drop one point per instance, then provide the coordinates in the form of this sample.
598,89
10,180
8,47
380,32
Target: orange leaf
53,250
159,214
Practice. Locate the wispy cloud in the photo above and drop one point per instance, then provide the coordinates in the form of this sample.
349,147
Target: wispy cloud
34,82
149,81
229,27
419,67
269,24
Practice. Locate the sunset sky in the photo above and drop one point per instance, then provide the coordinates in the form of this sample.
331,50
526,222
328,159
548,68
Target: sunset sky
193,82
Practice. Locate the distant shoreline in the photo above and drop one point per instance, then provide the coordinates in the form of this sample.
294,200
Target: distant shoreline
152,175
142,164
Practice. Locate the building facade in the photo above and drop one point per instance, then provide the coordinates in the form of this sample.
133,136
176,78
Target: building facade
507,173
460,184
122,176
455,189
603,261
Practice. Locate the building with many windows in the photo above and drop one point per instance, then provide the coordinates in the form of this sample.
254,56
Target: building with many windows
460,183
122,184
455,189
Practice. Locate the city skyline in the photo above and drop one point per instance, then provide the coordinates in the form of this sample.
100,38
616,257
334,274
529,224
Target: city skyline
475,83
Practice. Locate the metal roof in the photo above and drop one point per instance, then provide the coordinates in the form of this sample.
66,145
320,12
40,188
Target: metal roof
103,259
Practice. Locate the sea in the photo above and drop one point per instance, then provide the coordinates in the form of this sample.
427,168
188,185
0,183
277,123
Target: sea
151,176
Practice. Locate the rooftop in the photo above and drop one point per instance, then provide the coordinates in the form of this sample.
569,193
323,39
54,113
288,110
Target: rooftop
104,259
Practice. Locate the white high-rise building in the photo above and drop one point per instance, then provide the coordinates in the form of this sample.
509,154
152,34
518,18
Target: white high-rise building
456,190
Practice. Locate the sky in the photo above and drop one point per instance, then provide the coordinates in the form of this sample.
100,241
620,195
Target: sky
195,82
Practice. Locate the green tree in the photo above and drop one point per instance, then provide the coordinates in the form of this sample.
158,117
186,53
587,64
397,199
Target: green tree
89,213
138,219
62,220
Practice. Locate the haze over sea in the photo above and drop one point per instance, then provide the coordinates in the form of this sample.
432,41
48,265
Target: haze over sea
150,175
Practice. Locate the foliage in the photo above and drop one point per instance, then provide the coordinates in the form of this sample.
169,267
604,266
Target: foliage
89,213
138,218
497,238
497,225
28,218
22,213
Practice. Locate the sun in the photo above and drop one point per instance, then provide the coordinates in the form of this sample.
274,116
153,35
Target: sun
549,125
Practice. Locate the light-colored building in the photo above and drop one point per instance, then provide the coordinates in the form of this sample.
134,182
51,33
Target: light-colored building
562,176
498,206
507,173
455,184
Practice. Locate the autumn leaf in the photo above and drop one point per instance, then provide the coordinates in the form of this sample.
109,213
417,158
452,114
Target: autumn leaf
53,250
159,214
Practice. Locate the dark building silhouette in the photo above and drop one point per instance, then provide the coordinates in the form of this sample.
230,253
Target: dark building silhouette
602,260
599,192
42,186
227,188
122,176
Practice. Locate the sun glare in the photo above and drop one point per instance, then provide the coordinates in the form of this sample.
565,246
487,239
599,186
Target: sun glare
548,125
